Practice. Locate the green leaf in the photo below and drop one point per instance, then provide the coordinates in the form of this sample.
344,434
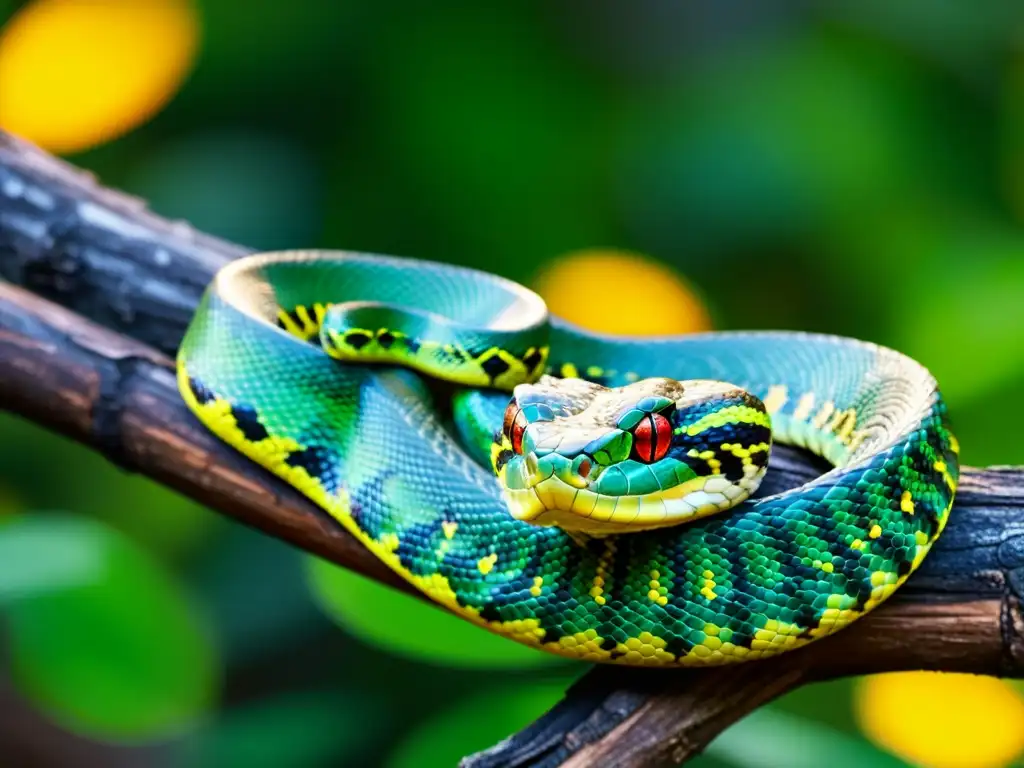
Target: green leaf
475,723
967,330
122,656
770,739
409,627
163,521
245,187
34,561
307,729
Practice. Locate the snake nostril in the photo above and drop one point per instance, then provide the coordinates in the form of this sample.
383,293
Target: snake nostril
582,466
532,466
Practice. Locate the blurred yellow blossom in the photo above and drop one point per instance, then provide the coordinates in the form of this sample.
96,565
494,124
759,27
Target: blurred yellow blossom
621,292
943,720
76,73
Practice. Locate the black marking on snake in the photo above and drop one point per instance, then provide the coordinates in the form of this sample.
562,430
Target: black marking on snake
200,391
413,541
504,457
247,420
698,465
298,319
494,366
489,612
291,315
318,462
357,339
809,619
456,354
731,465
411,344
385,339
533,359
860,590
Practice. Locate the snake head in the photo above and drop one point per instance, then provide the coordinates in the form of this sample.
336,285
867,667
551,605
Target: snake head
655,453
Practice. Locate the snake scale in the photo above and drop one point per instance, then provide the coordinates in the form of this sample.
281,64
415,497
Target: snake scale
583,494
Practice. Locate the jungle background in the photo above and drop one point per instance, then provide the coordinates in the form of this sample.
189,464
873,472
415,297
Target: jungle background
649,167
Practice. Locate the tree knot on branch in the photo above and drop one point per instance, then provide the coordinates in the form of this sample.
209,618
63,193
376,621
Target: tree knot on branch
109,408
1010,556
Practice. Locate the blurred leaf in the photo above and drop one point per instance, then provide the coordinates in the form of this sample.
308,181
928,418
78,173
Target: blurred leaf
1011,129
769,739
942,31
989,433
965,325
827,704
410,627
294,730
256,587
41,554
496,140
475,723
159,518
123,657
272,47
775,142
254,189
10,501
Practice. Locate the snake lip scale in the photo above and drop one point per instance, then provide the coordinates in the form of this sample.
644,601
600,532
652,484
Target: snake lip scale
587,495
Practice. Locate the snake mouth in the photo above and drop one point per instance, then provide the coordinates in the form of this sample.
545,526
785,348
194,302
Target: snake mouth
551,501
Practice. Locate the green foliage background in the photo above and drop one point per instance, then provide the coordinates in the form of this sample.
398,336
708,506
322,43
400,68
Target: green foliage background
855,167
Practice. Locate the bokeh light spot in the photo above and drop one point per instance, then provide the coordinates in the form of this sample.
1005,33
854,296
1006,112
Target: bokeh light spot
77,73
621,292
943,720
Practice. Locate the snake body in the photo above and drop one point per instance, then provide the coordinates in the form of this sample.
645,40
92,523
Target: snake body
375,446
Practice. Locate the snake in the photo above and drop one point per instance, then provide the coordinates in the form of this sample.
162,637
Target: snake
589,495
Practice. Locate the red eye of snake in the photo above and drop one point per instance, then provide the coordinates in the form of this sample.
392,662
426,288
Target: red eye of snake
513,426
651,438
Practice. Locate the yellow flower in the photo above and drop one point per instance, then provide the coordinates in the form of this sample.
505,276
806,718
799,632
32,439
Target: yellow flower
621,292
76,73
942,720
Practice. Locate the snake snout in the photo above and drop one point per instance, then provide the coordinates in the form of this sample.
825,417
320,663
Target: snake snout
533,471
578,472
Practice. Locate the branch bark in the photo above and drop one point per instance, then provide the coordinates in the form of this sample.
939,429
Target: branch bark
96,369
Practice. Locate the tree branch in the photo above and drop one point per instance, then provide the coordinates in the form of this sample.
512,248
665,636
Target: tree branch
111,263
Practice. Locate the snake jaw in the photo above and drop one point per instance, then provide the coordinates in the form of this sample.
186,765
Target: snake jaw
550,501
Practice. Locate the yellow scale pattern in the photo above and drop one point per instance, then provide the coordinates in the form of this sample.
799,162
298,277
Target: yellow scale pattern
645,649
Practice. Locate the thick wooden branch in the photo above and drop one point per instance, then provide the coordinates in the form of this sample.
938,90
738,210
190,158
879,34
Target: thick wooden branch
110,263
99,252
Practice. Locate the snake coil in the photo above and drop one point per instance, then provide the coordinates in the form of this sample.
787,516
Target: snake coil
312,364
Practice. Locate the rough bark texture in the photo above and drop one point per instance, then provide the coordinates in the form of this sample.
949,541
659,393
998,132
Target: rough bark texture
99,252
110,263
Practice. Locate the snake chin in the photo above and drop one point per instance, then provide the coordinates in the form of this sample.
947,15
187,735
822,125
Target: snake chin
553,502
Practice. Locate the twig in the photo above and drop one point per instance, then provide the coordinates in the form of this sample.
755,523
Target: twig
104,256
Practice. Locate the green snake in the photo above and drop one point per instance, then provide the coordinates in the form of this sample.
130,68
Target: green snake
583,494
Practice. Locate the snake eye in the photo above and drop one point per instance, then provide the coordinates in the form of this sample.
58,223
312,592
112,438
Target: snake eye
652,437
514,425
